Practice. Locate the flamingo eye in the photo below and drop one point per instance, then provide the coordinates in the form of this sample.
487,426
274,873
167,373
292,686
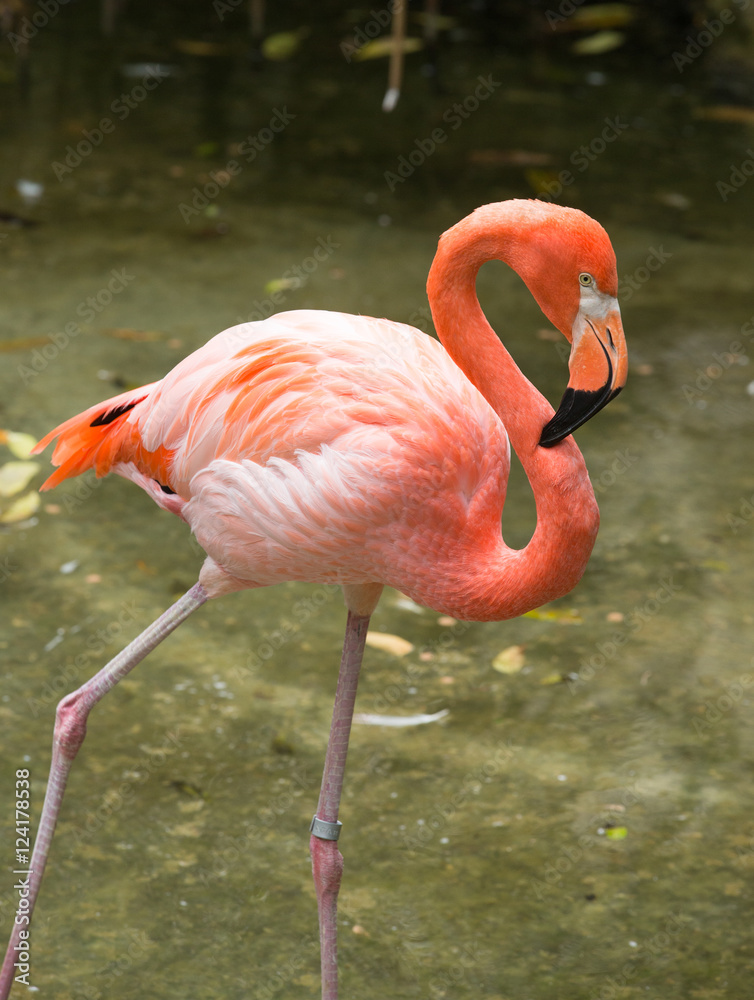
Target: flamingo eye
586,279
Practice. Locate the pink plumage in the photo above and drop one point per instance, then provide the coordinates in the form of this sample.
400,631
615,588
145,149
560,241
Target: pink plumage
329,448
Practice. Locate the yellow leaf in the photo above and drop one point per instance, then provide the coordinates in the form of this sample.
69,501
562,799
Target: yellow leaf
21,509
509,661
19,444
594,45
389,643
283,44
197,47
567,617
718,565
602,15
616,833
553,679
726,113
385,46
282,284
15,476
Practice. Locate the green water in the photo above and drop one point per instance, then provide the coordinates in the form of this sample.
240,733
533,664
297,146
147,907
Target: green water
580,829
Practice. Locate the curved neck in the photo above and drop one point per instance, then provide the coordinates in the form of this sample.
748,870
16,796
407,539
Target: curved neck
567,515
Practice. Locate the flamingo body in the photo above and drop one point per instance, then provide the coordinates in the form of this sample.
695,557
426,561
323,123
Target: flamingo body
329,448
319,447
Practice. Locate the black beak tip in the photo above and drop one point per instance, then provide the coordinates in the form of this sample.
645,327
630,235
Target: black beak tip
576,407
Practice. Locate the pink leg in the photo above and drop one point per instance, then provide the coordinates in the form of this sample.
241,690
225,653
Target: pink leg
327,861
70,729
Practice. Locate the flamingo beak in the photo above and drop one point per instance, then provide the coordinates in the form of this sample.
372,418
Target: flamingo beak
598,367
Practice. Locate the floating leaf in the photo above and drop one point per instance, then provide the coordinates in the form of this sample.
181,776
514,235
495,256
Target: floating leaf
595,45
567,617
21,509
389,643
283,44
398,721
553,679
197,47
23,343
282,285
20,444
385,46
15,476
509,661
616,833
601,15
718,565
726,113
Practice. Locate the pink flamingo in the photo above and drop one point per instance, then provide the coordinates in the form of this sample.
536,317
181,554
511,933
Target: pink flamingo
330,448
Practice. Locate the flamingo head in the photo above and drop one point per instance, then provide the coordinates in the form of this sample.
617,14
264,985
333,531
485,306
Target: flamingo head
568,263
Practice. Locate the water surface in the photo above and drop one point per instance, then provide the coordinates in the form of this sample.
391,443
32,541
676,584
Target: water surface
581,829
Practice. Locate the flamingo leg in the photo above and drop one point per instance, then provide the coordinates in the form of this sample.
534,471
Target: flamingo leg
327,861
70,729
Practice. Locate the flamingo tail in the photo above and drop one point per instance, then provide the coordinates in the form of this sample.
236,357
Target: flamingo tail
93,439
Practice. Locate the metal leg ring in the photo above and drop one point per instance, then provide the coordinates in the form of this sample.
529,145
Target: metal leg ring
324,830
